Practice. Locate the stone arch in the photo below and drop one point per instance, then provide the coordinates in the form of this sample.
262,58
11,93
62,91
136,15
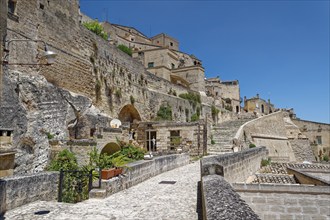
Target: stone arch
110,148
128,114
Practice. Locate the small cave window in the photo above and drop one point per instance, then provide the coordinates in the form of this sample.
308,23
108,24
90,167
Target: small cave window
171,44
41,6
172,65
150,64
12,6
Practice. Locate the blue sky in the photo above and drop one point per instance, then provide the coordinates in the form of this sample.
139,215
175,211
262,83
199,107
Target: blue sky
278,49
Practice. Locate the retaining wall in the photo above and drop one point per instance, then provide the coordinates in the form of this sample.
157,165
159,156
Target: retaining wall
16,191
138,172
286,201
219,199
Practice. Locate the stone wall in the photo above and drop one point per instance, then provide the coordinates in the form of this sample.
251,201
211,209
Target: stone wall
270,131
318,135
234,167
140,171
274,201
16,191
302,150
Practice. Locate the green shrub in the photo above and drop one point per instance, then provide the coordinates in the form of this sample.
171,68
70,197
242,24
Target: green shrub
326,158
118,93
212,141
164,113
125,49
194,117
265,162
50,135
193,98
97,28
252,145
214,112
65,160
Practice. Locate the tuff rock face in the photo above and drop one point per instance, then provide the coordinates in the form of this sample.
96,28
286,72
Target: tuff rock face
39,111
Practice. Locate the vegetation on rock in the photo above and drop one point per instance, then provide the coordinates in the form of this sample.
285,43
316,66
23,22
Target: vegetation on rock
164,113
125,49
97,28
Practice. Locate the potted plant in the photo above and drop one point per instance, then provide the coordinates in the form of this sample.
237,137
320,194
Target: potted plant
108,173
119,163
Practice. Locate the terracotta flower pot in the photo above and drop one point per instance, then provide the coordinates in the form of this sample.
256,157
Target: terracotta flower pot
118,171
108,173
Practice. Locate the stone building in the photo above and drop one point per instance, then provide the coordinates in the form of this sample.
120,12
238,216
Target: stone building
225,93
160,55
258,105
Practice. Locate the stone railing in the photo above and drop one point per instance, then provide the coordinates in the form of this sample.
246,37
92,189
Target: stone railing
16,191
219,199
138,172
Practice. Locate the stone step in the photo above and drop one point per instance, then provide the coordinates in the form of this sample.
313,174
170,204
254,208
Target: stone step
98,193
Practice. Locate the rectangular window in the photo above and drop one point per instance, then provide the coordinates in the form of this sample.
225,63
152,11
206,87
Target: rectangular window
151,137
319,140
175,139
151,64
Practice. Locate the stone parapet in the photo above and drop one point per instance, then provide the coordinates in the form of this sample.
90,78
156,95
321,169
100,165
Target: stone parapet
234,167
138,172
220,201
16,191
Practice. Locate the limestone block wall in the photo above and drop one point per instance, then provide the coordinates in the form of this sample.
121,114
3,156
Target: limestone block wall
302,150
234,167
16,191
274,201
140,171
269,131
316,132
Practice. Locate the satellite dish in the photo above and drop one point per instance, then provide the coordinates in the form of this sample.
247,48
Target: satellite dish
115,123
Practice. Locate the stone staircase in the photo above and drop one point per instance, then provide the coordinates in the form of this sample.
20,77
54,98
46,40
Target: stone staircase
223,134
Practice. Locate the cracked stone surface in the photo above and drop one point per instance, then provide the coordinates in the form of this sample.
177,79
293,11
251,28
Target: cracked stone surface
147,200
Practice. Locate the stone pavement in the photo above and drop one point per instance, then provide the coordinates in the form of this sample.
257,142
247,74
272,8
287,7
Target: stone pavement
147,200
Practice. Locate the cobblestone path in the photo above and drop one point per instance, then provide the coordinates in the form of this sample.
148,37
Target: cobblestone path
147,200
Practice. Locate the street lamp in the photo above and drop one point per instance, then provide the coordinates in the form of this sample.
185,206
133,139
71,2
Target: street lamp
49,55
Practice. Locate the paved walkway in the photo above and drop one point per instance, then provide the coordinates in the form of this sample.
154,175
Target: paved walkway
147,200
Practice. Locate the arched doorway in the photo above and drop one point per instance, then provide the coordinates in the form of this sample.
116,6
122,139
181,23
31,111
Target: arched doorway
128,114
262,109
110,148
